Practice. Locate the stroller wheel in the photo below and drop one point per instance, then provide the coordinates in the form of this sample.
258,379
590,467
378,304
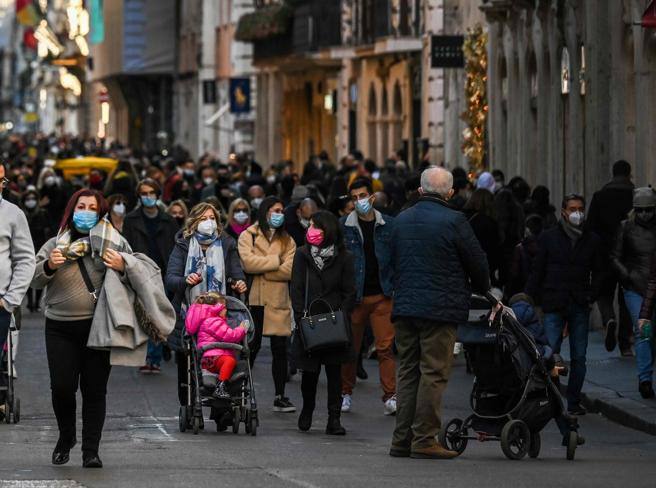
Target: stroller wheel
251,423
515,439
16,410
236,420
7,411
534,445
182,419
572,444
450,436
196,425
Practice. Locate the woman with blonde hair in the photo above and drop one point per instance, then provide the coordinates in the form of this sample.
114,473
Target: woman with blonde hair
203,260
239,218
179,211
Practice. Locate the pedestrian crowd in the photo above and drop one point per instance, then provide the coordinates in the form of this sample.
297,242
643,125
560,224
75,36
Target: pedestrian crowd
398,251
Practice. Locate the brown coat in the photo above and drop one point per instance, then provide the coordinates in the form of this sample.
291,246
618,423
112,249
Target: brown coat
271,263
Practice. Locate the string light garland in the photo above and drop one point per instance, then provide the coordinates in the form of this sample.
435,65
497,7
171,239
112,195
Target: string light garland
475,116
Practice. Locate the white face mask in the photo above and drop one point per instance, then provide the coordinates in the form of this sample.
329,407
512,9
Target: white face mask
256,202
208,181
49,180
207,227
271,179
576,218
119,209
304,222
240,217
30,203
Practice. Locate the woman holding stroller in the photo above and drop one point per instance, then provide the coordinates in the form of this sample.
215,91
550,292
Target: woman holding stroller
325,268
204,259
267,253
64,266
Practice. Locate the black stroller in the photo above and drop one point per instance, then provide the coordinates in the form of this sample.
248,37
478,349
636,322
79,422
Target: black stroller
513,397
242,406
8,396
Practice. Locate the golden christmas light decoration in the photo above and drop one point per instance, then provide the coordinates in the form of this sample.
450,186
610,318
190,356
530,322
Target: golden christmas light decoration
475,116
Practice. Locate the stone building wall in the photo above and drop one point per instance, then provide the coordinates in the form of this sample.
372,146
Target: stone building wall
569,141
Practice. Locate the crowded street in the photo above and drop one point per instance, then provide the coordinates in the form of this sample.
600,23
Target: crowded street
327,243
143,446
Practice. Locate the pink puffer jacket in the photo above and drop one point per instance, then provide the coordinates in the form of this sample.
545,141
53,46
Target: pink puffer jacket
205,322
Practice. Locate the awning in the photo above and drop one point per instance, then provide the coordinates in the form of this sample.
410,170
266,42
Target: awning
649,17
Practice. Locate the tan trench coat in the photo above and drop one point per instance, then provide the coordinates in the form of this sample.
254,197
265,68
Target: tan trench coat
271,263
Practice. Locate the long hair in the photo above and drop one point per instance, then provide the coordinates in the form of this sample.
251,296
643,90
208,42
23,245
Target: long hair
262,219
482,202
67,219
195,218
332,230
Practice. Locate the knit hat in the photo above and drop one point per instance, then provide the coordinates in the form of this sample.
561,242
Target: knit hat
644,197
486,181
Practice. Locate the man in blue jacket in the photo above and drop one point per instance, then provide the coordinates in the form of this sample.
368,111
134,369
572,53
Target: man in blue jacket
367,235
437,262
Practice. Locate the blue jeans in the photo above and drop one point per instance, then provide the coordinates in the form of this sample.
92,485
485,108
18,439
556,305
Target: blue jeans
577,318
154,355
643,351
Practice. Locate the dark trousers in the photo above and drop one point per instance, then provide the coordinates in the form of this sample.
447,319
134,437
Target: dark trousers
278,350
33,299
606,302
71,363
309,382
425,358
5,322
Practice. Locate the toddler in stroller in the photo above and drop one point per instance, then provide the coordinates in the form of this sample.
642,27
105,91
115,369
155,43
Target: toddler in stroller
513,396
206,318
218,372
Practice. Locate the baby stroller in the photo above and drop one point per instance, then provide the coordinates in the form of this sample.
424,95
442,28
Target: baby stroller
242,406
513,397
10,401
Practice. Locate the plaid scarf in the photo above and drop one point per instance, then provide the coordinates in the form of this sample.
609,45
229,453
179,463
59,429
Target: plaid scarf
102,237
322,255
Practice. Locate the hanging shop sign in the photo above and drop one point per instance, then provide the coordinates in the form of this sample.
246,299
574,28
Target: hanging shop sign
446,52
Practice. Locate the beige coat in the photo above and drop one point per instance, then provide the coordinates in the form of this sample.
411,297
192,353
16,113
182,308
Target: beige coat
271,264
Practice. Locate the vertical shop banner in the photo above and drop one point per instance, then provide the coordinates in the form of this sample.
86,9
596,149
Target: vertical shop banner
96,21
240,95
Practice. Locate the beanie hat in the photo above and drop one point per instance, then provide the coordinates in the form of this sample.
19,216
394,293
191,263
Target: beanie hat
644,197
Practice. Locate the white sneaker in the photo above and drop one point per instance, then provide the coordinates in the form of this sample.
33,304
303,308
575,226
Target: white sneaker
346,403
390,406
457,348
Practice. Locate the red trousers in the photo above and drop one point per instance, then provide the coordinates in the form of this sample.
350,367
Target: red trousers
221,365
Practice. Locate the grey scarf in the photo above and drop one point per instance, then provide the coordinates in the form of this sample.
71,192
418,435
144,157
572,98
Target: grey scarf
321,255
574,233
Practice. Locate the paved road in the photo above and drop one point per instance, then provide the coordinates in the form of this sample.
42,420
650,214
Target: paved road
142,446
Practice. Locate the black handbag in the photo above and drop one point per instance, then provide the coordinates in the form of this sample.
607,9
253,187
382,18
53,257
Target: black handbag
323,331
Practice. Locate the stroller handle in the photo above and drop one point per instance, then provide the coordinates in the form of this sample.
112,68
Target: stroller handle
491,298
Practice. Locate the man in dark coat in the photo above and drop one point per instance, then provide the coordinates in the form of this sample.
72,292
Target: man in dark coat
436,262
565,280
151,231
609,207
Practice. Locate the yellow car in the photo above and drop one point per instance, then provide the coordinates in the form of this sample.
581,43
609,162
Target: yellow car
82,166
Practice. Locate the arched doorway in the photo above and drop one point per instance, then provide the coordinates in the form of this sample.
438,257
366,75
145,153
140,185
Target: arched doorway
384,128
372,119
397,118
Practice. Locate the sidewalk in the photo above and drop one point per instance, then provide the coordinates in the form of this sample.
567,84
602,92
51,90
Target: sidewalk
611,387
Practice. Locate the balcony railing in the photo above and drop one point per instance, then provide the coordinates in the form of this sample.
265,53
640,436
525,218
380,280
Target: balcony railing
317,25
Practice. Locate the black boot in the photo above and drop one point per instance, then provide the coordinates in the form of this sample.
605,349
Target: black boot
90,459
334,426
646,390
220,392
305,420
61,454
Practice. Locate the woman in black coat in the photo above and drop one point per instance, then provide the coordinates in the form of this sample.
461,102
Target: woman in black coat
481,214
328,269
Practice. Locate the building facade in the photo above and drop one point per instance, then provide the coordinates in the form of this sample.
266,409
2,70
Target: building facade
572,88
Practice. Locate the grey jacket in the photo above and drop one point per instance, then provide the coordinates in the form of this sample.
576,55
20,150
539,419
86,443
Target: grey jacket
16,255
115,323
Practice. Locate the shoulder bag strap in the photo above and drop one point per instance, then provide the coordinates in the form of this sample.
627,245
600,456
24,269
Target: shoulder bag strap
307,286
87,280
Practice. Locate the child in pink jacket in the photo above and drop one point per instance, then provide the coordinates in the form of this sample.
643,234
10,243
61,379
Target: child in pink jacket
206,317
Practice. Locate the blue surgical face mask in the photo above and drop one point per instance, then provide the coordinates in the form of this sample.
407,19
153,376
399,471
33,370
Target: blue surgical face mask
363,206
85,220
149,202
276,220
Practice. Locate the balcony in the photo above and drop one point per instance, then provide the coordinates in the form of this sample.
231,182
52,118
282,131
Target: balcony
386,18
317,25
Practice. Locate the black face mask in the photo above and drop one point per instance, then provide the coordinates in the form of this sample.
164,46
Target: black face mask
180,221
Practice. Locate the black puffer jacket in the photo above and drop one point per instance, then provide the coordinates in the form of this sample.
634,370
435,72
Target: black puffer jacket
635,244
563,274
335,284
609,207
